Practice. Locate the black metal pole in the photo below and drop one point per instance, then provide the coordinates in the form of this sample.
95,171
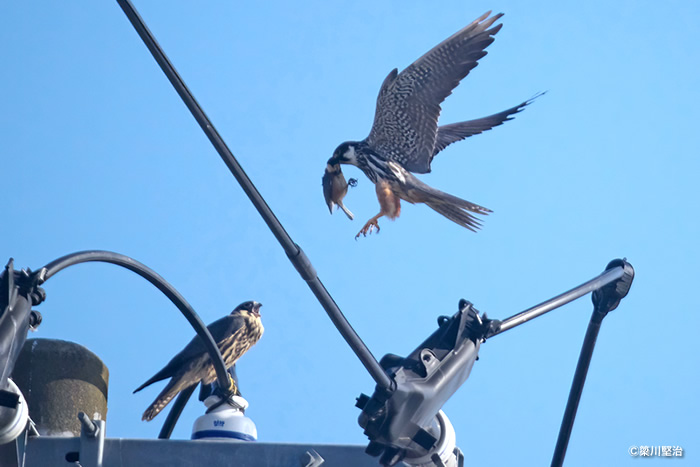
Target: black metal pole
584,361
154,278
15,313
295,254
605,299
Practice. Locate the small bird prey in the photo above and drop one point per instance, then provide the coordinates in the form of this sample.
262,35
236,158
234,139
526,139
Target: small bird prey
234,334
335,188
405,136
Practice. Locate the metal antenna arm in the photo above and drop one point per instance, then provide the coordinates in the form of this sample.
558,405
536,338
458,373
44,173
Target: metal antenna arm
613,275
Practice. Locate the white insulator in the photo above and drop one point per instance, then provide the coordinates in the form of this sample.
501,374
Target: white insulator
444,447
225,422
13,421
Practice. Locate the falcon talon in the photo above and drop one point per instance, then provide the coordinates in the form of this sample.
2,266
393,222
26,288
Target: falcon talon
232,389
405,136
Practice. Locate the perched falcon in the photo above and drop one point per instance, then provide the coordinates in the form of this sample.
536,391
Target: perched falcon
234,334
405,136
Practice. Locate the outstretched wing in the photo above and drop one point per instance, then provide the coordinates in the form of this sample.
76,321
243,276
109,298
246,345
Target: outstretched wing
448,134
408,106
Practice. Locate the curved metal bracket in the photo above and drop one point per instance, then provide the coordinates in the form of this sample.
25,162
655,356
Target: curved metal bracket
168,290
154,278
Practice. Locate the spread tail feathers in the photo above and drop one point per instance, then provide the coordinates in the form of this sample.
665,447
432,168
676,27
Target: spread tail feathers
456,209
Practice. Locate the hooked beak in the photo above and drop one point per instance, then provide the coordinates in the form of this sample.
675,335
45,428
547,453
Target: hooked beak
256,309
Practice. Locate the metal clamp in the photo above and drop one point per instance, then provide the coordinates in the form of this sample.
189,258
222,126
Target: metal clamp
92,440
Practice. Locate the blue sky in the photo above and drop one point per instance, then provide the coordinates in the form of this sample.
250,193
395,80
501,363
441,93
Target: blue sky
100,153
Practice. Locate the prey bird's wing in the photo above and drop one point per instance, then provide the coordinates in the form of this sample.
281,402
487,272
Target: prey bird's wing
408,107
448,134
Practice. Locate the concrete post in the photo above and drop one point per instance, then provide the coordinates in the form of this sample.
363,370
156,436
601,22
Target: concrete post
58,380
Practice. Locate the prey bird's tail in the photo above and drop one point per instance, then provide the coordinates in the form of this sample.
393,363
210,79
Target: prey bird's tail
455,209
347,212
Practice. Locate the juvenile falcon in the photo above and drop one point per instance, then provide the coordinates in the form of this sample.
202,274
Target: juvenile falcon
405,136
234,335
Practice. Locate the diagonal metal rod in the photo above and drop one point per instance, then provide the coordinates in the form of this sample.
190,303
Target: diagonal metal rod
594,284
293,251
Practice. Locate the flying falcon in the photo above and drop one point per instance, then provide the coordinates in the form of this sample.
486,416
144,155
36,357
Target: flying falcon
234,334
405,136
